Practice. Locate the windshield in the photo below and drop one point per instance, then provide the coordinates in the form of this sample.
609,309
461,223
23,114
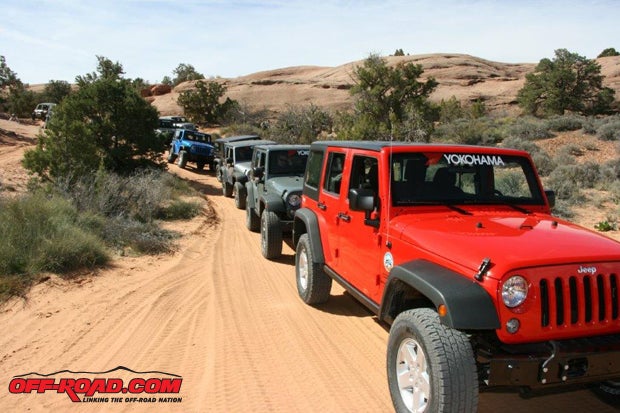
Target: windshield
461,178
289,162
197,136
243,153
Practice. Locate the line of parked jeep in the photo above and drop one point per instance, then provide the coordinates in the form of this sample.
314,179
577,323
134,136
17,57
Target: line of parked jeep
264,178
453,246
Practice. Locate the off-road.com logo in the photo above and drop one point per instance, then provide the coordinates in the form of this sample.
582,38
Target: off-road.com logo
124,390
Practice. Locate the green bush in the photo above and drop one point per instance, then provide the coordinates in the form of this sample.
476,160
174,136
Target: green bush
565,123
530,129
63,227
38,234
609,131
542,160
179,209
567,180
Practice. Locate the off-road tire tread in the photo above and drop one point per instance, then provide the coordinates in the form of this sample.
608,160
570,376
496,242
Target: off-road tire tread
454,381
240,195
319,283
271,229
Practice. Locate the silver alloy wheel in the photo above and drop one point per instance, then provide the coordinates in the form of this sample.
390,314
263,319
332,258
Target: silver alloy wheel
303,269
413,376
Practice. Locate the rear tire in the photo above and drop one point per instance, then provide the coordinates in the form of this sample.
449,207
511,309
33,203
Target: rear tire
430,367
240,195
270,235
313,285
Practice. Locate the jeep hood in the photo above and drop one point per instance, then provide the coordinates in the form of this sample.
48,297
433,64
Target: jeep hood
243,167
510,240
199,144
284,184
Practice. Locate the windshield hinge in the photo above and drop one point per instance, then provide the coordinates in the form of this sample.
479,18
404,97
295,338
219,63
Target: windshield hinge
485,265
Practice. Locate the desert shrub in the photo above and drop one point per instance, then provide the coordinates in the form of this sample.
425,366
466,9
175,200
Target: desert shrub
610,131
614,191
564,157
126,235
303,124
242,129
567,180
542,160
179,209
137,196
40,233
589,125
530,128
470,131
563,209
564,123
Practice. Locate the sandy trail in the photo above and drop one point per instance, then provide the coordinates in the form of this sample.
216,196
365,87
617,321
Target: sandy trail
223,318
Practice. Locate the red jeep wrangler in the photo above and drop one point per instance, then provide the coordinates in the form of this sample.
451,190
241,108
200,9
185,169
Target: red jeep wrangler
455,247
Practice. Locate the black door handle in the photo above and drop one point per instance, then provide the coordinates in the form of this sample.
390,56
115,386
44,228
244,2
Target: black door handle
321,206
344,217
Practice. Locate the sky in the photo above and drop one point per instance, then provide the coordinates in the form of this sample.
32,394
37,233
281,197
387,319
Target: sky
45,40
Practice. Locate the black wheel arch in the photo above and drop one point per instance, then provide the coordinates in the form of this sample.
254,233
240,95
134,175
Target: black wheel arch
239,177
306,222
272,202
421,283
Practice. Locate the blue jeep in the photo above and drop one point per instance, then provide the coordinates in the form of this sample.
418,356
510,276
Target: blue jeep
191,146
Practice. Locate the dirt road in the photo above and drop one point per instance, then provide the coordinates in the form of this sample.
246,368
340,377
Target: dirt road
223,318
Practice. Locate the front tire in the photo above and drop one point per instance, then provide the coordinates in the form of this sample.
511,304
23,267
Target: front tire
171,156
227,189
430,367
313,285
609,392
252,221
240,195
270,235
182,159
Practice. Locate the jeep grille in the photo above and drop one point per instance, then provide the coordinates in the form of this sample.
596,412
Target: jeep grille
571,302
201,150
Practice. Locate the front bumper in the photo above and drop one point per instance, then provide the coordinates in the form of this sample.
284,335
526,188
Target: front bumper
552,363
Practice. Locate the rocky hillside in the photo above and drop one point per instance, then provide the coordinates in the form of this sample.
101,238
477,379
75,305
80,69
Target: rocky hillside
468,78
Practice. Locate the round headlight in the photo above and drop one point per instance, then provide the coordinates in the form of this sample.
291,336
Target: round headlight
294,200
514,291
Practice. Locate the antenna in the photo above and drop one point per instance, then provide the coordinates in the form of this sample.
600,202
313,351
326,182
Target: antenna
388,243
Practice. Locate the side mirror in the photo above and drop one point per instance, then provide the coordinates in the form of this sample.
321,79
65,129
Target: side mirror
363,199
258,172
550,197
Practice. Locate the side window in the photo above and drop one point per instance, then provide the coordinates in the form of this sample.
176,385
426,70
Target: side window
256,159
261,159
365,173
333,178
313,174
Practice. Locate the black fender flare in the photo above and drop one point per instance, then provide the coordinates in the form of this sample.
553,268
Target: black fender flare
305,218
240,177
249,188
272,202
468,305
